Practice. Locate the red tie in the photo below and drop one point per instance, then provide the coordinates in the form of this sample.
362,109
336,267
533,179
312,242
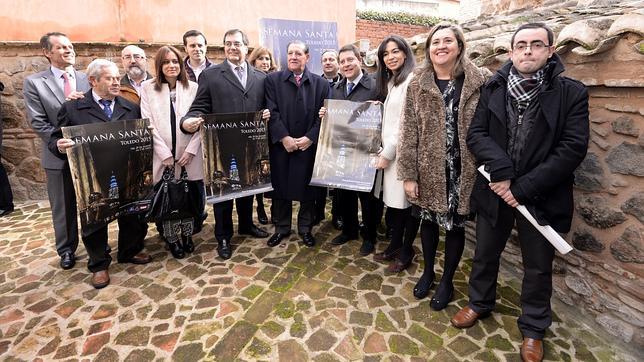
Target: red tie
298,79
67,85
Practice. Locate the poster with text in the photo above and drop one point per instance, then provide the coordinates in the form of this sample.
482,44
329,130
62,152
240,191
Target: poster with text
275,34
348,145
235,150
111,167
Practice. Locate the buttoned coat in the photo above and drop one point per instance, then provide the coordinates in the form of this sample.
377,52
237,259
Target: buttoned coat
294,112
422,147
43,98
155,105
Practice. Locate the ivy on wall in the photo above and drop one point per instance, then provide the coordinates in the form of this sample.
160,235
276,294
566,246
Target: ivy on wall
399,17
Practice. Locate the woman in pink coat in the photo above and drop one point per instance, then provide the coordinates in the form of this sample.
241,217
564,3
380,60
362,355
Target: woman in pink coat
164,100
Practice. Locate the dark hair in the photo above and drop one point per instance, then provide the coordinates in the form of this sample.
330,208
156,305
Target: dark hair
300,42
460,39
329,51
551,35
350,48
45,44
384,74
235,31
158,66
190,33
259,51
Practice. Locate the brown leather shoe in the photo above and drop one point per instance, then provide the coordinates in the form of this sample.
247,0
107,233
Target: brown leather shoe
385,256
465,318
100,279
140,258
532,350
397,266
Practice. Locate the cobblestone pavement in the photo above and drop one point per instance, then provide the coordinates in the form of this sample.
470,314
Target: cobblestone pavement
289,303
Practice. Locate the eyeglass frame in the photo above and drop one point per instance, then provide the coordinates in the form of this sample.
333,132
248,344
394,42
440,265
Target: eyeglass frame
236,44
136,57
522,46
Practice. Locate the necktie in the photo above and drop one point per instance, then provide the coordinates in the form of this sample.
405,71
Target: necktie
240,75
349,87
106,107
298,79
67,87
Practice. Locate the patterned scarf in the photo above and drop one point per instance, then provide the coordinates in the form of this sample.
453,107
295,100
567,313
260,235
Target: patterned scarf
523,90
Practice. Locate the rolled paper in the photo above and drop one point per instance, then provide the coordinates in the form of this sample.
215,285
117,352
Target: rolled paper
546,230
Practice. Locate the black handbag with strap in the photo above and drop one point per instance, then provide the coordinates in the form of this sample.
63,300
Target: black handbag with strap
173,198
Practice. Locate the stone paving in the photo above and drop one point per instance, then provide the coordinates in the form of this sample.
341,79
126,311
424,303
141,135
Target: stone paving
289,303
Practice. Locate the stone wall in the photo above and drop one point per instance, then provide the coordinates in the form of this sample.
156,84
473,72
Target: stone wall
375,31
20,145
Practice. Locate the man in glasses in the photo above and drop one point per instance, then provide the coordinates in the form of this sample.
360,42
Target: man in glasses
531,132
135,65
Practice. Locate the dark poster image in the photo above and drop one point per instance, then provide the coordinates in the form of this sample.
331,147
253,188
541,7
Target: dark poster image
235,149
111,166
348,145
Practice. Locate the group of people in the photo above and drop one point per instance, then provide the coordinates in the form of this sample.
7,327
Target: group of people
527,124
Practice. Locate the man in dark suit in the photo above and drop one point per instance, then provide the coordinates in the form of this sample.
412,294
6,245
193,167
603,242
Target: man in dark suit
6,196
44,94
229,87
294,98
102,104
357,86
531,132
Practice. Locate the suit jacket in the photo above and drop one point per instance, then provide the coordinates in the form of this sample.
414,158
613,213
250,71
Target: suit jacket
364,91
543,179
43,99
155,105
294,112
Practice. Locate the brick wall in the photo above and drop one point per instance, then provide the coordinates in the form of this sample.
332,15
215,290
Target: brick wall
375,31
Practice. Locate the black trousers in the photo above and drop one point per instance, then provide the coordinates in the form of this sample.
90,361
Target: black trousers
224,217
320,202
132,231
372,208
404,228
6,196
283,210
537,255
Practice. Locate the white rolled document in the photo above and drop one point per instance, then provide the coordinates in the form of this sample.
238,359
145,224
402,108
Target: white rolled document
553,237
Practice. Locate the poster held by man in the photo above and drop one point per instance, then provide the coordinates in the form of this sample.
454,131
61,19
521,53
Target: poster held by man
111,167
348,145
235,158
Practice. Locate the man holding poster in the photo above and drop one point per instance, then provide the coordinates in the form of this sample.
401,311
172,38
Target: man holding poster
102,104
294,98
230,87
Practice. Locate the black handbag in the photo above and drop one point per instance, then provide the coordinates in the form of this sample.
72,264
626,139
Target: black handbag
173,198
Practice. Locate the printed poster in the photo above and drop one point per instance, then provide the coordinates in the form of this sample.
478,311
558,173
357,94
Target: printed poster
235,148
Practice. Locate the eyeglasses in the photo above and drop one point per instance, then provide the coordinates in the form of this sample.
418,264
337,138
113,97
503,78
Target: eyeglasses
535,46
136,57
236,44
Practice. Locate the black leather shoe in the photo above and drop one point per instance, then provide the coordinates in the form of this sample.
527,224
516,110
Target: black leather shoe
7,211
254,231
421,290
188,244
338,223
261,215
308,239
108,249
176,250
367,247
67,260
341,239
224,250
442,297
276,239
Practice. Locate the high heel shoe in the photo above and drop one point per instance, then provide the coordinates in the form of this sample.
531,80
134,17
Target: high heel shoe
426,282
188,244
176,250
442,297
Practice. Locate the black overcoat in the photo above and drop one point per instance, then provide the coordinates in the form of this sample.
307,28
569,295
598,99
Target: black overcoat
294,112
364,91
543,179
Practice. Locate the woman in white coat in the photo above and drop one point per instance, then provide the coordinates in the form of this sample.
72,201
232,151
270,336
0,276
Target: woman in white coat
395,70
164,100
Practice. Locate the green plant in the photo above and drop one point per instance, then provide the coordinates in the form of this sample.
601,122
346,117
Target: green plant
400,18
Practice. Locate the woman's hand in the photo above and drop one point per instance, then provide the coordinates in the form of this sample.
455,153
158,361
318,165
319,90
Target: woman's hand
185,159
382,163
169,162
411,189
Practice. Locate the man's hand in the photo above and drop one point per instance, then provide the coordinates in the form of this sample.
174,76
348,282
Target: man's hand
382,163
501,187
509,199
185,159
411,189
266,115
75,95
169,162
289,144
192,124
303,143
63,144
322,112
